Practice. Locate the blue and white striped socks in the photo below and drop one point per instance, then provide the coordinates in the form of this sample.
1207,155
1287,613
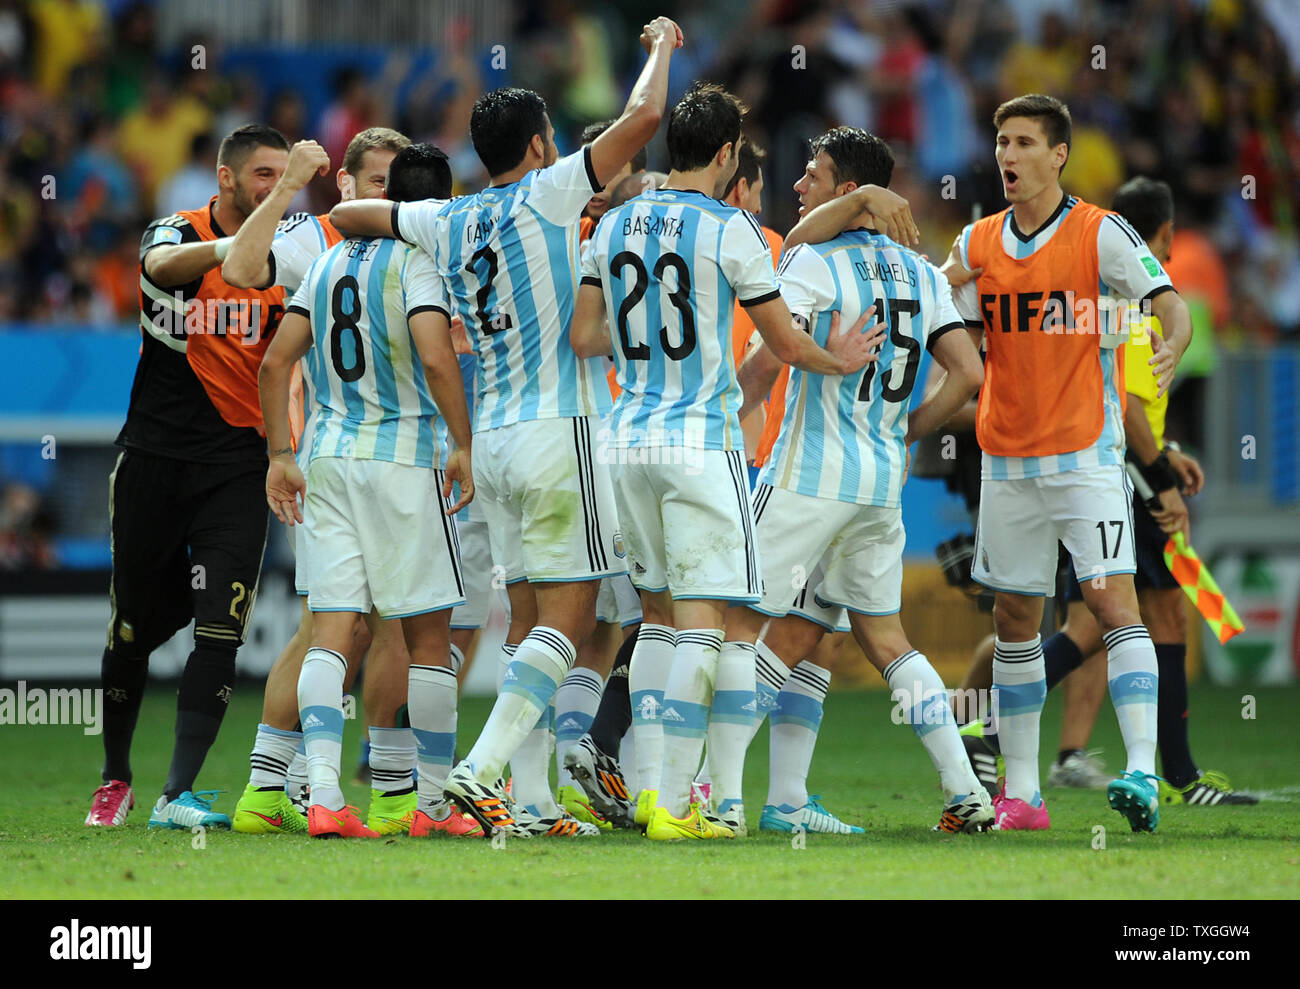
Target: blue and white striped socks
647,676
431,706
796,720
320,706
732,717
528,686
685,715
1132,668
1019,689
575,709
924,703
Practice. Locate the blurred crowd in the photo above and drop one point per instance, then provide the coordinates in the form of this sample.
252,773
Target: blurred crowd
101,130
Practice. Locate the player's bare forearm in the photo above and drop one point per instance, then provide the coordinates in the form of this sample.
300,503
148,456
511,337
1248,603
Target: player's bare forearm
1137,430
1175,321
589,332
955,353
364,218
292,340
273,385
171,265
757,375
432,335
823,223
247,264
1167,351
640,118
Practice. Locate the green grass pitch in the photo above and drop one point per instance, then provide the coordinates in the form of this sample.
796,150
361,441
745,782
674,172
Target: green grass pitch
872,773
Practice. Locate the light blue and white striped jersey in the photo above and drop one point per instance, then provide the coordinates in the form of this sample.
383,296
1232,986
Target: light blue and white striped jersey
509,257
842,437
1127,271
671,264
370,398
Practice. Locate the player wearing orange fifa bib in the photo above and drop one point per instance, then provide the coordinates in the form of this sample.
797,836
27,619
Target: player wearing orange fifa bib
1054,274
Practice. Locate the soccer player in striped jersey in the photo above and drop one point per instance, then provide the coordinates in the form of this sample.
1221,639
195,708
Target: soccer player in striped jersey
831,493
267,251
1050,423
669,266
372,315
509,256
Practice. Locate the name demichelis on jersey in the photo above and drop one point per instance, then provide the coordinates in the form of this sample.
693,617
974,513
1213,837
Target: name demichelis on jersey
843,437
672,264
363,369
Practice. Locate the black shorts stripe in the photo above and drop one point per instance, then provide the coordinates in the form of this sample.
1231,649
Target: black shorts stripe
587,490
449,534
582,492
761,497
740,480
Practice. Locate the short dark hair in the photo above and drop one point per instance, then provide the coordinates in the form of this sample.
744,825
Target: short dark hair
705,119
750,164
1052,115
856,156
243,141
593,131
418,171
502,124
1147,204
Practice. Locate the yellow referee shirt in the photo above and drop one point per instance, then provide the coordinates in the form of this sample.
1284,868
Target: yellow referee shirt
1139,378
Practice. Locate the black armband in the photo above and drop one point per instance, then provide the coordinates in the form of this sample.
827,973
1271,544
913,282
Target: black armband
1159,473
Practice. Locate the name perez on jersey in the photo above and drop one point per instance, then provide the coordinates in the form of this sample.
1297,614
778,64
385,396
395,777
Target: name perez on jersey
243,318
1060,312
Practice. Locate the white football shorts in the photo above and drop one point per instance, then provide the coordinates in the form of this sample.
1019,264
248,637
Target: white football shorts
858,547
547,500
686,522
617,601
378,535
476,569
1089,509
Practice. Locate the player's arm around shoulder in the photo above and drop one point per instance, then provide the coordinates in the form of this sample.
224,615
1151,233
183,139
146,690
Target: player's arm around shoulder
172,253
248,263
